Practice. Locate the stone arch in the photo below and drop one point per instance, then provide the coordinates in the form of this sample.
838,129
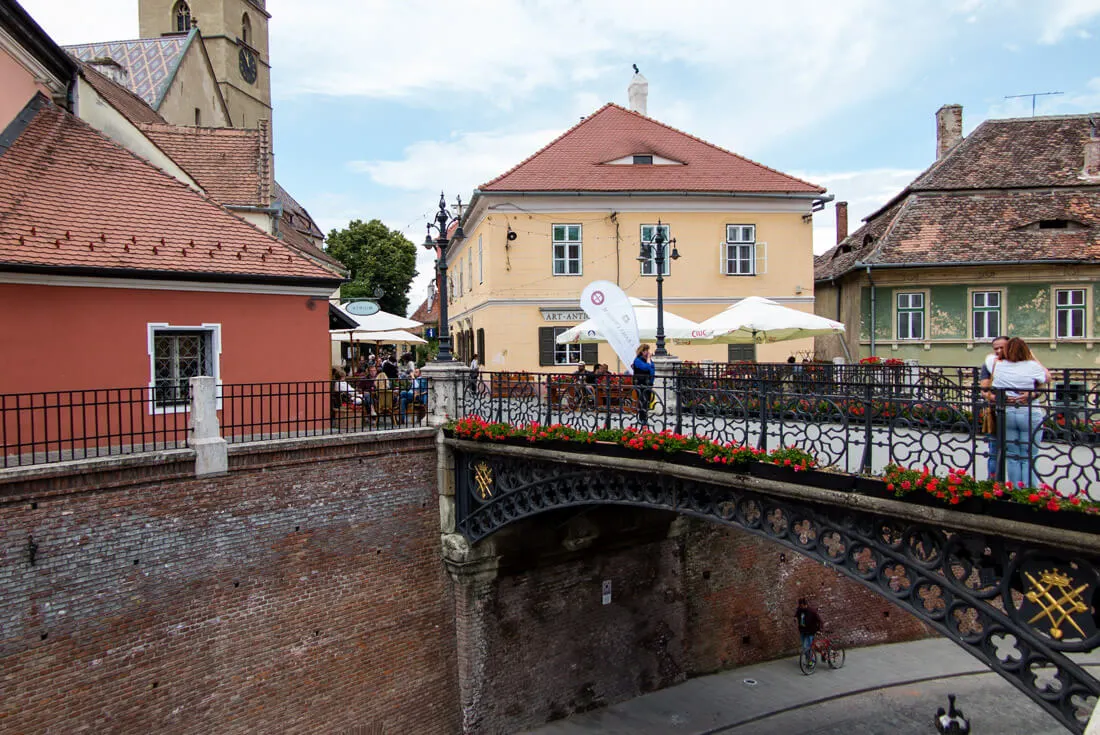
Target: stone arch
970,587
246,29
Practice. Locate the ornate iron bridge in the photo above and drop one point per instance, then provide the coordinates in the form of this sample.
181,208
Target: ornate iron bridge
855,421
1019,597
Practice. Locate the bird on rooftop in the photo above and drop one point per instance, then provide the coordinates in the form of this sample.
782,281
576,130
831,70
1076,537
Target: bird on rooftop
636,69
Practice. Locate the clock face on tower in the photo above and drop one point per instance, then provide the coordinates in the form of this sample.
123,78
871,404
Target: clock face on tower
248,65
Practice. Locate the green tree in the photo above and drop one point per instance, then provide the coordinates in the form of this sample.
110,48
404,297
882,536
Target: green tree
377,257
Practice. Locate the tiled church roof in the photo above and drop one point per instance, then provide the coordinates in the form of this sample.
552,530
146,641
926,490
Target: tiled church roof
147,63
72,198
132,107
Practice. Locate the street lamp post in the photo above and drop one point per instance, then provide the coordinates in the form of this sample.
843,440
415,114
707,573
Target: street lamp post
443,220
658,250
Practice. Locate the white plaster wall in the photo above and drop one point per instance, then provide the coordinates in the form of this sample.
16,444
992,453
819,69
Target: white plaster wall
97,112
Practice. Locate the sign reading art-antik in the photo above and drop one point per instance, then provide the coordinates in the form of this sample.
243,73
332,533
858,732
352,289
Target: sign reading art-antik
563,315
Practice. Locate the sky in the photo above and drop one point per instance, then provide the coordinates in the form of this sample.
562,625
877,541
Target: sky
381,104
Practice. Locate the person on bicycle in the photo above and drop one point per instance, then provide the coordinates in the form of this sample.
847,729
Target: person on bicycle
809,623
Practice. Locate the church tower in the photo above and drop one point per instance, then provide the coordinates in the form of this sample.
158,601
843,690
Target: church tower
235,35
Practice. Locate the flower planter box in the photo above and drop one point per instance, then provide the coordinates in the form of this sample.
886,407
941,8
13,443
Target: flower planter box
827,480
769,471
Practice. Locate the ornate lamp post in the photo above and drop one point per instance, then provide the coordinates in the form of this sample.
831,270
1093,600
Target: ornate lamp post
443,221
658,250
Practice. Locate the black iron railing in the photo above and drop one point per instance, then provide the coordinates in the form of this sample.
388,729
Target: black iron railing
263,411
56,426
856,427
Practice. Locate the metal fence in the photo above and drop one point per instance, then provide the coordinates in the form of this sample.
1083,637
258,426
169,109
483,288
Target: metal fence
854,426
56,426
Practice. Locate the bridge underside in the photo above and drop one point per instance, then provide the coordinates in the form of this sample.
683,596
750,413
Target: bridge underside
1021,607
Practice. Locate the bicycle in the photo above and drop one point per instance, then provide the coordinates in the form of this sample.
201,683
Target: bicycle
824,648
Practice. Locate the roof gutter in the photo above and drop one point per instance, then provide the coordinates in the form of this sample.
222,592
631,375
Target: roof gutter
155,275
631,194
860,265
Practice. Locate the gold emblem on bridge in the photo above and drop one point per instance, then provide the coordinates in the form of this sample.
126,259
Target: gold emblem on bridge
1057,601
483,477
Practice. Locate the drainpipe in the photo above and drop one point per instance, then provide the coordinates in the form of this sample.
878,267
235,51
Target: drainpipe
872,282
844,339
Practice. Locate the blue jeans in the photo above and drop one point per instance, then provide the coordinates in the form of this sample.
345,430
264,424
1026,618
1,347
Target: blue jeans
994,446
807,641
1022,437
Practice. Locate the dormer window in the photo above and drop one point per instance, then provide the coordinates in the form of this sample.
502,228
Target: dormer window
182,15
643,160
1054,224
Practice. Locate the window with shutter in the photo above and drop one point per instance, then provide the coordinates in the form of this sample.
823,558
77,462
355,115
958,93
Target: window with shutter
590,353
546,345
739,252
741,353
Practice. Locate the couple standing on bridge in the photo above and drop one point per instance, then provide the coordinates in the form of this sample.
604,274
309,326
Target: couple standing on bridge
1012,369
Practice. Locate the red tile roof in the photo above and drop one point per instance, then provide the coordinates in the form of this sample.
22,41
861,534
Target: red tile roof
132,107
579,159
427,312
72,198
230,164
983,202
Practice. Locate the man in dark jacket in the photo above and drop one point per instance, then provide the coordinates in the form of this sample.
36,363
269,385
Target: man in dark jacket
808,623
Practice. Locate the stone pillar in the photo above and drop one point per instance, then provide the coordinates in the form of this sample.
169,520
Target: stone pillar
473,572
446,384
666,385
211,450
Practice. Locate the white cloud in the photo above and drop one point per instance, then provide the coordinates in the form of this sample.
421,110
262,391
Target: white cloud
1063,16
457,164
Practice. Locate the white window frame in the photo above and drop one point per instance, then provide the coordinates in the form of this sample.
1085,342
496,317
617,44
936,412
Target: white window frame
570,350
1085,307
909,310
565,244
649,267
470,267
215,356
973,309
734,249
480,262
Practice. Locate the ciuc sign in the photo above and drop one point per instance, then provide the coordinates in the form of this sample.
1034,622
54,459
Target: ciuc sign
362,308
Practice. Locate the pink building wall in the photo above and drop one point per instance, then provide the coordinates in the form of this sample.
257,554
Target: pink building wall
17,86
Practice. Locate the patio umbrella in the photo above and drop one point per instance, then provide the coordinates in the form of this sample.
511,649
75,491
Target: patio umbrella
758,320
386,336
380,321
677,328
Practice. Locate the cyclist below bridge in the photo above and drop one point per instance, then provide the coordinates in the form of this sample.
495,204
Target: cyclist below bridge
809,623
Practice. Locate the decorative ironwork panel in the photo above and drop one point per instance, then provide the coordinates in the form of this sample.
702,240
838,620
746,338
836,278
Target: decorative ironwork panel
1018,607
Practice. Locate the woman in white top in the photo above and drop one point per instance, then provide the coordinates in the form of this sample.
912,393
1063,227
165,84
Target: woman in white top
1019,375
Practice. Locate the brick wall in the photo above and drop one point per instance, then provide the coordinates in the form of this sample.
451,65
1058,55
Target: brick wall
302,592
741,591
689,597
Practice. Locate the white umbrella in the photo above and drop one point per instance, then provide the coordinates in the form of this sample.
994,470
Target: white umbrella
387,336
760,320
380,321
677,328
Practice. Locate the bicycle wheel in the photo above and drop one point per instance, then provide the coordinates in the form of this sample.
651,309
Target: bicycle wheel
807,661
835,657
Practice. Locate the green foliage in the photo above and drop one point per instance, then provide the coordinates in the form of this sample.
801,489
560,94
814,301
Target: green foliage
426,353
377,257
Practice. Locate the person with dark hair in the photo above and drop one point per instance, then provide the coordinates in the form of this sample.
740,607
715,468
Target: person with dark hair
809,623
644,372
985,380
1019,375
389,367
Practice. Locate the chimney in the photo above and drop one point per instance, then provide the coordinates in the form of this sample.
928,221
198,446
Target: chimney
1092,151
638,92
949,129
841,221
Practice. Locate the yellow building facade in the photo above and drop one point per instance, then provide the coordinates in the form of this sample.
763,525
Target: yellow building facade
515,279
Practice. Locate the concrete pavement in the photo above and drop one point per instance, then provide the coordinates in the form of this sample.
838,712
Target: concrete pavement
712,704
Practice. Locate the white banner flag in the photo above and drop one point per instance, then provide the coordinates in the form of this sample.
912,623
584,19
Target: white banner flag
609,307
